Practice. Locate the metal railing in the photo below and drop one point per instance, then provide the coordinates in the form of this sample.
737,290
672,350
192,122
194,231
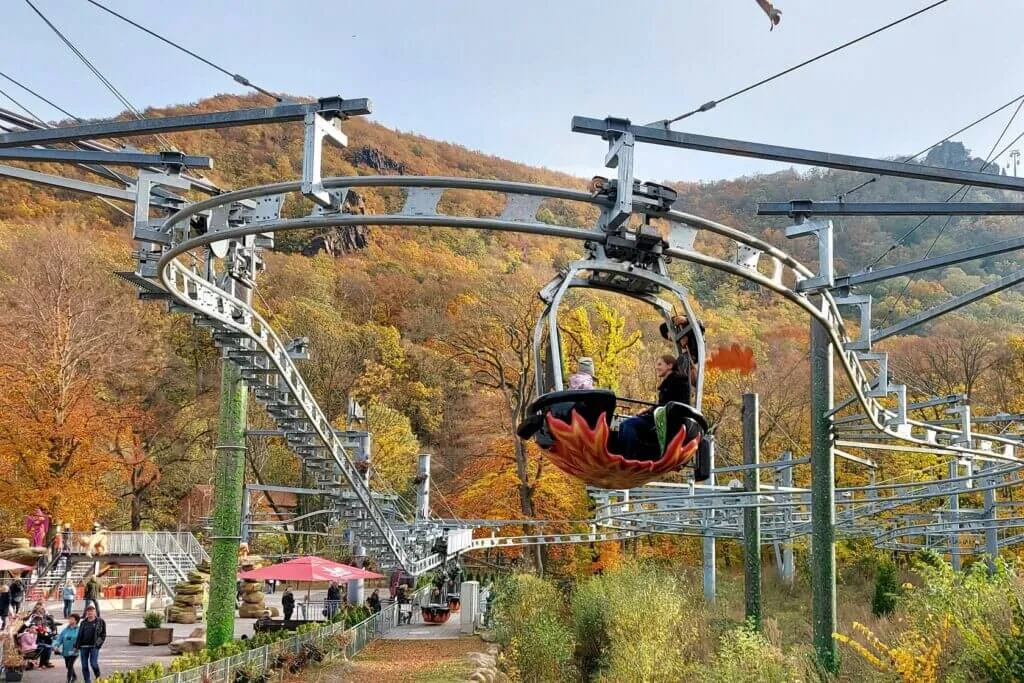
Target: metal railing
177,543
262,658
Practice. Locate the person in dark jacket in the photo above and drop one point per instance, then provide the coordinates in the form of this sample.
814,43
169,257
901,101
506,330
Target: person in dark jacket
5,606
288,603
17,592
333,599
92,594
374,601
91,634
637,434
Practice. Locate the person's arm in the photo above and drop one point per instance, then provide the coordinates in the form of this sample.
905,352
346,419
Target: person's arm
101,632
78,638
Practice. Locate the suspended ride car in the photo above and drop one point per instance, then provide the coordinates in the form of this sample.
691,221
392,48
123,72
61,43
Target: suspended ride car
578,428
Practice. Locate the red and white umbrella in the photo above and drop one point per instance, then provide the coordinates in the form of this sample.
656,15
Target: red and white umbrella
308,569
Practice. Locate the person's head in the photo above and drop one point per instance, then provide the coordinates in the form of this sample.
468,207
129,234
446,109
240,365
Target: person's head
665,365
90,613
39,608
73,620
586,366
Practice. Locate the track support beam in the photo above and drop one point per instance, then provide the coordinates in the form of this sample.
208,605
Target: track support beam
823,498
752,514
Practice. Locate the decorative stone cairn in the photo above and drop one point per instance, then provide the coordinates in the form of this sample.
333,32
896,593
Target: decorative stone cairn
190,595
18,550
253,601
485,666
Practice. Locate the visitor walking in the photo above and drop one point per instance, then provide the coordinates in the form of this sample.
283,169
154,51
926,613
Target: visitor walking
5,606
288,603
92,631
92,595
17,591
65,644
68,595
67,538
333,599
374,601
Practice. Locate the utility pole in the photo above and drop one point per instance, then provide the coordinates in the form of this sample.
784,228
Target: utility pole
1015,156
823,499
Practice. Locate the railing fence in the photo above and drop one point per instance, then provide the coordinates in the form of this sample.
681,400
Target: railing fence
359,636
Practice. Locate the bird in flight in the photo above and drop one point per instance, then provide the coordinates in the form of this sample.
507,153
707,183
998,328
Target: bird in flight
774,15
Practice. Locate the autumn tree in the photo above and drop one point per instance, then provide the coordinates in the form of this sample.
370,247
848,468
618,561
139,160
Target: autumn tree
491,333
65,327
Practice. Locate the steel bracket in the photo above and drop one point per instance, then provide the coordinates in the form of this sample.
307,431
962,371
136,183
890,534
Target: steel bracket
823,231
318,128
964,413
880,388
620,156
862,302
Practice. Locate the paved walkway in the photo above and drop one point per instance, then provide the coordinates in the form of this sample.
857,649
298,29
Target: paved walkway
419,630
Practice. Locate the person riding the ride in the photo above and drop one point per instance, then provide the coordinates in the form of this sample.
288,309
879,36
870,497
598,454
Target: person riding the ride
583,378
637,434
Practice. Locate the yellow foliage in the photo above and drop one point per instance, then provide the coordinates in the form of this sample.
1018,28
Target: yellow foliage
916,660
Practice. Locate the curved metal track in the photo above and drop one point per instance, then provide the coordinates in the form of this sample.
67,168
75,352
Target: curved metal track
699,510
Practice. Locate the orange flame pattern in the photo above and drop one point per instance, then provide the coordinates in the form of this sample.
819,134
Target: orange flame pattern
583,453
733,357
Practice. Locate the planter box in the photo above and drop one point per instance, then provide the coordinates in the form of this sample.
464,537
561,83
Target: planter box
150,636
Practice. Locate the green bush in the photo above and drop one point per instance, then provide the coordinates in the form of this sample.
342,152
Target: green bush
588,610
153,619
746,656
887,586
529,622
653,623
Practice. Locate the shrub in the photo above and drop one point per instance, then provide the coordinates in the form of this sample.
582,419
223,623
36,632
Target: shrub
915,659
153,619
529,622
746,655
653,623
886,589
588,610
543,652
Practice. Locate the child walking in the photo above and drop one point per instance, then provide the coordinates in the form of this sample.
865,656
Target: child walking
65,643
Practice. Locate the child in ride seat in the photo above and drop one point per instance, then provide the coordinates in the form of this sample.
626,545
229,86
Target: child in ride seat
583,378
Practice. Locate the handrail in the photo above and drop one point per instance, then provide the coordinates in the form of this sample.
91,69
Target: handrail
359,636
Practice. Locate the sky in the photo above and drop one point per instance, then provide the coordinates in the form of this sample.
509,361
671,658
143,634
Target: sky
506,78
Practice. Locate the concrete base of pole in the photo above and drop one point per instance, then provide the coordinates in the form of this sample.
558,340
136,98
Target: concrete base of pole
469,593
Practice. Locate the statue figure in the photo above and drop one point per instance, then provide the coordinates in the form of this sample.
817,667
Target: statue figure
37,524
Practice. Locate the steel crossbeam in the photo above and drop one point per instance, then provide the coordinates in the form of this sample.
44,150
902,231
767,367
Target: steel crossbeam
661,135
811,208
328,108
88,156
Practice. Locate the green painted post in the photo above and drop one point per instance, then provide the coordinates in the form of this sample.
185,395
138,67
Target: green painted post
228,488
823,498
751,513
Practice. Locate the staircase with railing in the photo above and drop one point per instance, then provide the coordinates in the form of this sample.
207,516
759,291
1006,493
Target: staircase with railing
170,555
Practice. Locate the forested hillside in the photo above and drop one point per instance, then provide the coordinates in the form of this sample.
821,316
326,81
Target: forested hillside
108,405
